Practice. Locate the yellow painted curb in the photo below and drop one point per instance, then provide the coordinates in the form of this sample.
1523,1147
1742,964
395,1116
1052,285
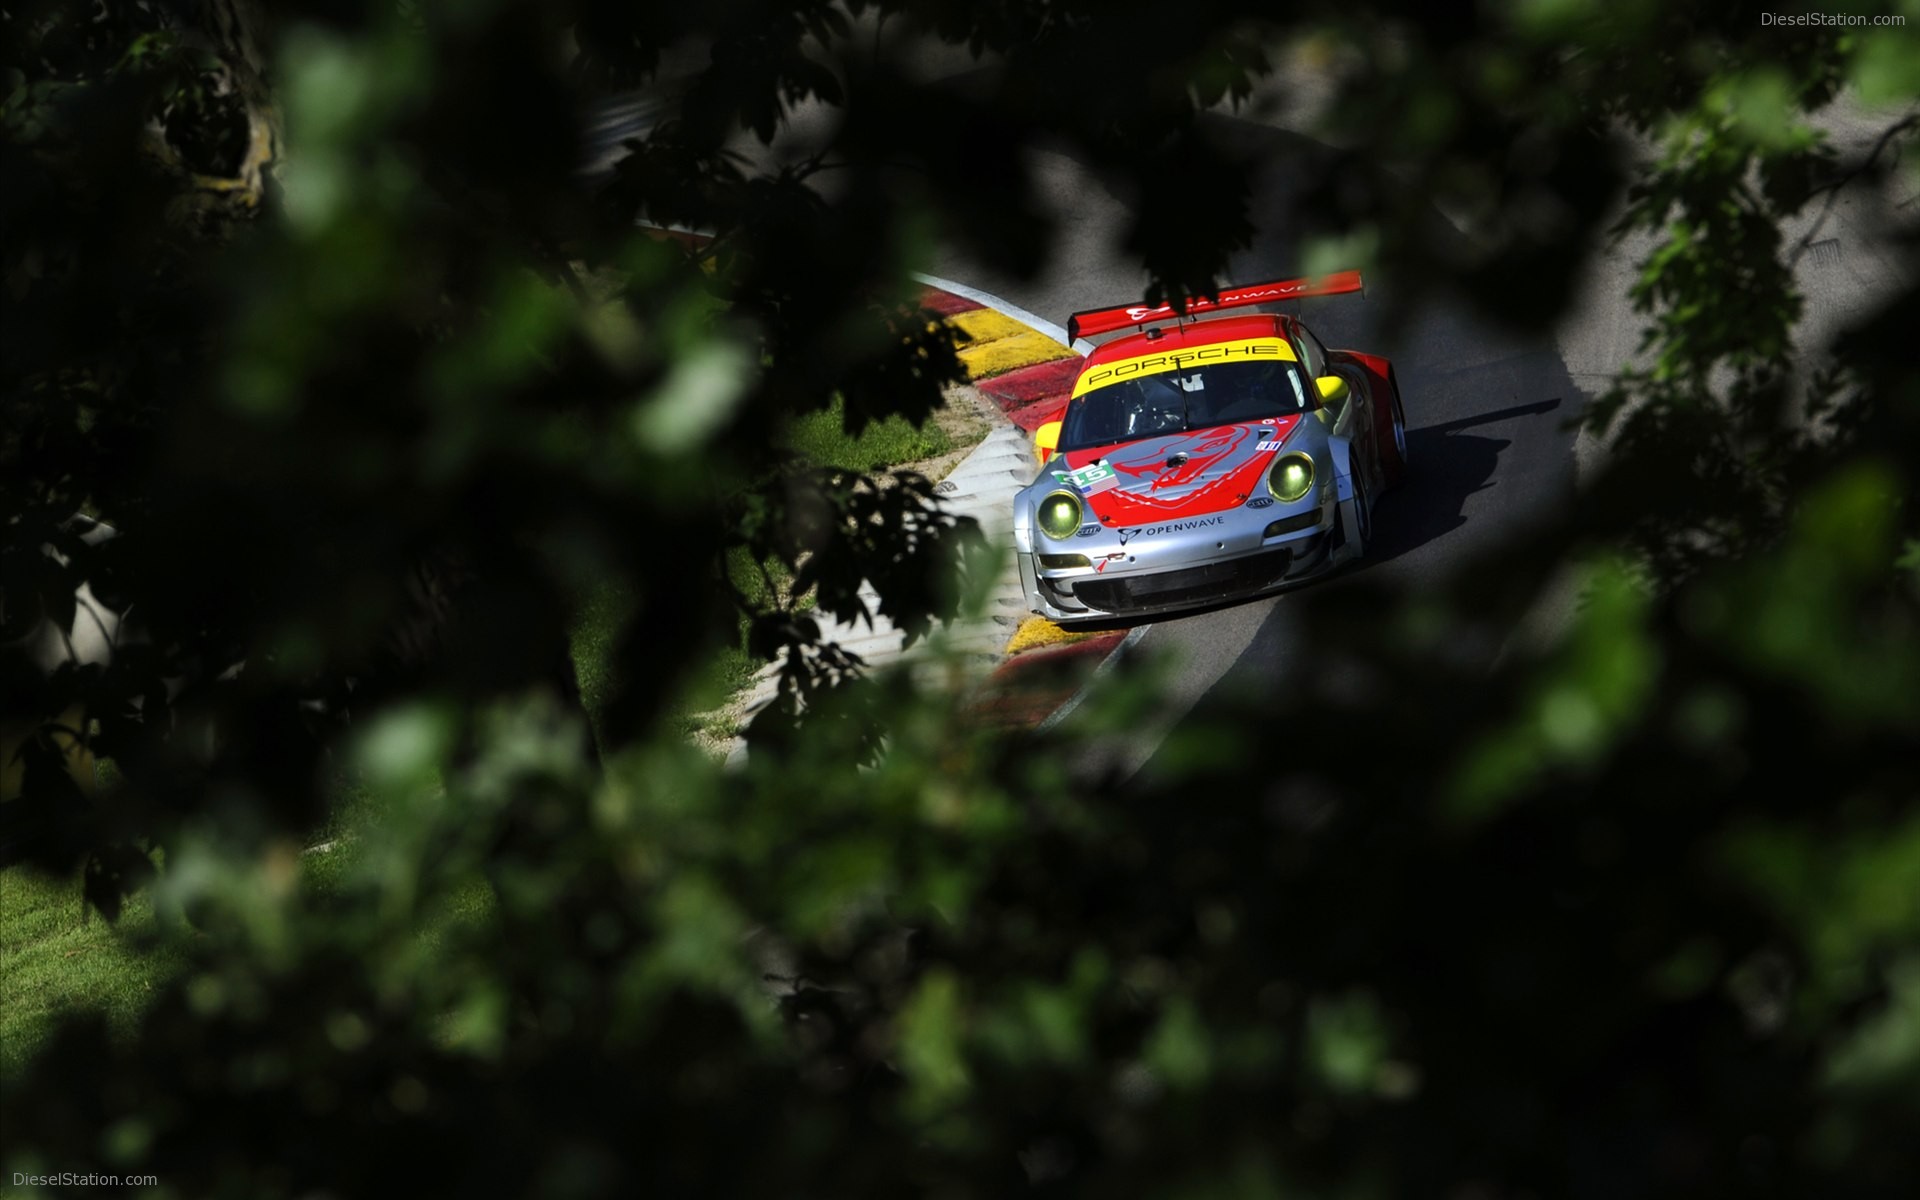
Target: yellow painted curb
986,325
1038,631
1000,344
1011,353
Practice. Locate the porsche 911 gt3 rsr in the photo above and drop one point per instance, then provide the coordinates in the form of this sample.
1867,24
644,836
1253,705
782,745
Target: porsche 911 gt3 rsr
1214,459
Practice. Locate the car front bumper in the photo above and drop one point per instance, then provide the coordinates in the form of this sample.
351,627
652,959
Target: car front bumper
1211,574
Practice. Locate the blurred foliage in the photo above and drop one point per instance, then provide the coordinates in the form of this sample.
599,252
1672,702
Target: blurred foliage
1631,911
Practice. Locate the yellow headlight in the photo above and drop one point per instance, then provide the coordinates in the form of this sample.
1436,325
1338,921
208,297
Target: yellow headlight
1291,477
1059,515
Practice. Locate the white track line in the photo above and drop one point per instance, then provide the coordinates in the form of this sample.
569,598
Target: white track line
1056,332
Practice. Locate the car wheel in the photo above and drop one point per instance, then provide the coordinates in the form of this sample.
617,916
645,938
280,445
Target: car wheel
1362,516
1393,457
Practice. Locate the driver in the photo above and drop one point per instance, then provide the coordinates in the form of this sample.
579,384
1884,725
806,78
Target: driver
1156,405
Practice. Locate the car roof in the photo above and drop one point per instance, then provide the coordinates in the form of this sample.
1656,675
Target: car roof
1190,334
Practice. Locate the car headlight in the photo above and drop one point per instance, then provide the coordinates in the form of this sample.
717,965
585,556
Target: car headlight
1059,515
1291,477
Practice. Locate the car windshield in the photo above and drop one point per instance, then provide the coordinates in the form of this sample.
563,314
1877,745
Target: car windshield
1176,401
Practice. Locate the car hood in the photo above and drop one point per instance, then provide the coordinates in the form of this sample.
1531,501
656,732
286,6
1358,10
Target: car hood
1178,474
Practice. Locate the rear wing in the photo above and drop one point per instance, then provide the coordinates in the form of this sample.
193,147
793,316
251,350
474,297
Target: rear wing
1106,320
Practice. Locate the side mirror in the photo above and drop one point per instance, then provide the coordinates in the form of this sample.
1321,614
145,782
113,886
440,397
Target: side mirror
1333,389
1046,440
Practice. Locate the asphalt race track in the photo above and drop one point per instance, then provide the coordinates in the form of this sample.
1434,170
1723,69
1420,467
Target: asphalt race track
1490,414
1488,422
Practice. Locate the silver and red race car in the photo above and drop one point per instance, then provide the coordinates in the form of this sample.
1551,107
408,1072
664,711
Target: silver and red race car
1209,460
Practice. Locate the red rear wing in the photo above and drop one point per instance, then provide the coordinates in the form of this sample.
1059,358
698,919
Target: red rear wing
1106,320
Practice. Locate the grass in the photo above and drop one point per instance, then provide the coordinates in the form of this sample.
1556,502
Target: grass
607,608
55,958
821,438
595,661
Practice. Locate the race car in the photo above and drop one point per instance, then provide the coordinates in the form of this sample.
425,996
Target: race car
1209,459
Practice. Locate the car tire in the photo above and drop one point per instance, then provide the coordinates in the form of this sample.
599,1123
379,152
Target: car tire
1362,516
1393,447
